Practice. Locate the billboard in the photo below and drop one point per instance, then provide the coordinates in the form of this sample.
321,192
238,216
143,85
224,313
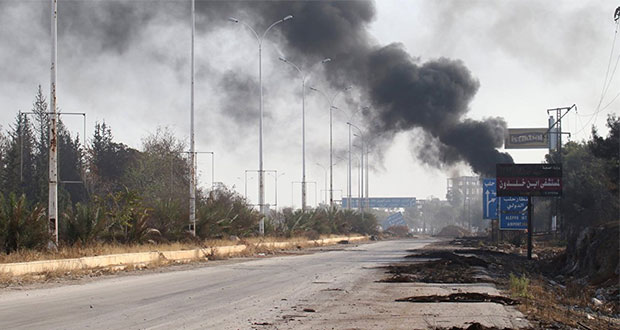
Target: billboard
489,199
382,202
513,213
526,138
529,179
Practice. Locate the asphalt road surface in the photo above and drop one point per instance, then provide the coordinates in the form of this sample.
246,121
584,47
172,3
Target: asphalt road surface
314,291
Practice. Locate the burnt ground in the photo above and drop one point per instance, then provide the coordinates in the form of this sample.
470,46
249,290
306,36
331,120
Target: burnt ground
549,299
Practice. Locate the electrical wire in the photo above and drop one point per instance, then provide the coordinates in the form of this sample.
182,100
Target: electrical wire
606,84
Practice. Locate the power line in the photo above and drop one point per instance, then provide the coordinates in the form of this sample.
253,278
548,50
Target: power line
606,82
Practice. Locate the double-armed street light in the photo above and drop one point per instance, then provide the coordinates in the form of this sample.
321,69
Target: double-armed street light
304,77
261,176
331,165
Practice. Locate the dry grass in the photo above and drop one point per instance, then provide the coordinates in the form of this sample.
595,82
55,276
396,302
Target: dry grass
550,306
105,249
8,280
253,246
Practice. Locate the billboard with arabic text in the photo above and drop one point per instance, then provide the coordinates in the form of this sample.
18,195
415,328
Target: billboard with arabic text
527,138
529,180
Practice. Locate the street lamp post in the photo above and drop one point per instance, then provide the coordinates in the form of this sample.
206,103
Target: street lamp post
331,165
362,161
261,175
304,77
350,118
325,181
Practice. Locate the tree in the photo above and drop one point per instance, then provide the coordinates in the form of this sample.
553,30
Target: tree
590,169
18,161
41,144
70,167
608,149
108,161
4,148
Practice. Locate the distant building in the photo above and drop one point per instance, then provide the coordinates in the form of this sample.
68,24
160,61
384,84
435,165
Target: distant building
469,187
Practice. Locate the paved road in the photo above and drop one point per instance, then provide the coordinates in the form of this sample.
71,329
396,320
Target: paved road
262,293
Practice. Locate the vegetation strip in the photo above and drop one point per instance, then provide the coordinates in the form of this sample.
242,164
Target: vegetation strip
34,267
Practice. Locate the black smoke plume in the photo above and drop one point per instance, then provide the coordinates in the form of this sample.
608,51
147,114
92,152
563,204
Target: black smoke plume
404,94
433,96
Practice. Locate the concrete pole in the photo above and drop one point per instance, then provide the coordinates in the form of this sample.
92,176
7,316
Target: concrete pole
261,174
362,177
367,195
303,144
331,161
349,177
192,153
53,147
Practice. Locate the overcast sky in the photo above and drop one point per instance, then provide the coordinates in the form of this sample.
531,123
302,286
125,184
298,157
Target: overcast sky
127,62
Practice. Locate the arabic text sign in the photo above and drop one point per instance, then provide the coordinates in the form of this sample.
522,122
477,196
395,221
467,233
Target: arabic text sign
489,199
529,180
513,213
527,138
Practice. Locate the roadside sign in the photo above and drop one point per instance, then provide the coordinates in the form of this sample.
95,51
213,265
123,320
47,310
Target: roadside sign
513,213
395,219
527,138
529,179
489,199
382,202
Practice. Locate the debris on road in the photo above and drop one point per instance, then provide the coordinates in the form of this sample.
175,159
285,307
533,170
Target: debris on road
462,297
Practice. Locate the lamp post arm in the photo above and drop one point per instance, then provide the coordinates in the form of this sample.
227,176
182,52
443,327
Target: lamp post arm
276,23
260,40
271,26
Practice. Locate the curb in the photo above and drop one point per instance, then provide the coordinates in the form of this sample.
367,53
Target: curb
44,266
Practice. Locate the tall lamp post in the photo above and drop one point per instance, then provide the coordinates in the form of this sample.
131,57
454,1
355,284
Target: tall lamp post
261,175
350,118
304,77
192,143
331,163
325,181
362,162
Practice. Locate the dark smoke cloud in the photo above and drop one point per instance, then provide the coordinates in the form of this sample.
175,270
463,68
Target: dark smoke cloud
404,94
242,92
433,96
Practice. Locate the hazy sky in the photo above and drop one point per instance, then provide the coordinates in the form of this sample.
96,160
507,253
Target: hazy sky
127,62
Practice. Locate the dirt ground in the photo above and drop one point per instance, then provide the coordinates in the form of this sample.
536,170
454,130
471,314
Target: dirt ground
549,300
469,281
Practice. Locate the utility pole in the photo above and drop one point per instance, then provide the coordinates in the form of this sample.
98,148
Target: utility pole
52,209
555,128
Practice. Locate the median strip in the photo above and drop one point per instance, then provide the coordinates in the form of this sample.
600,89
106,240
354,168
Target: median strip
83,263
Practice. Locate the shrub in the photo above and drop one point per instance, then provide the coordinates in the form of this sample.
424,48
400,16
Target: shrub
519,285
22,227
84,224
